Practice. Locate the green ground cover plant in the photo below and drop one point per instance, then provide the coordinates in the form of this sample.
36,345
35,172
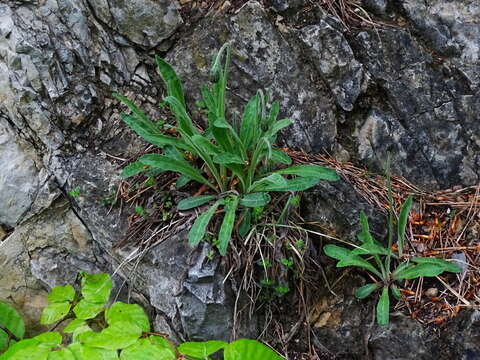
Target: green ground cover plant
237,161
97,331
12,327
380,261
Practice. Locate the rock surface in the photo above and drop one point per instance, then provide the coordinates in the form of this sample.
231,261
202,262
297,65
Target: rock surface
411,89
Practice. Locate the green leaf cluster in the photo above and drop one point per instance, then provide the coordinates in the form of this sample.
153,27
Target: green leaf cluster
12,327
372,256
122,331
237,162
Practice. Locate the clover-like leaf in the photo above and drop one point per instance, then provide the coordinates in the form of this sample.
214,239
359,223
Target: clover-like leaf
55,312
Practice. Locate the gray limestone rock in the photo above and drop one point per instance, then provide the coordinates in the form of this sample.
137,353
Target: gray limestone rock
144,22
334,60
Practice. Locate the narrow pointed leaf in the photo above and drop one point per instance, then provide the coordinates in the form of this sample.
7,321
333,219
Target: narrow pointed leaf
133,169
255,199
197,232
206,145
281,157
171,80
336,252
396,292
446,265
169,164
296,184
370,249
225,233
353,260
415,271
312,171
246,224
249,122
194,201
184,121
366,290
402,223
383,308
182,181
226,158
277,126
270,180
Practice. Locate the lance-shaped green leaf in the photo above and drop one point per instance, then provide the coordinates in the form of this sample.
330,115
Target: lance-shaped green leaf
182,181
280,157
133,169
194,201
277,126
366,290
255,199
246,223
11,320
383,308
312,171
272,116
396,292
370,249
151,133
226,158
169,164
446,265
353,260
184,121
197,232
249,122
336,252
402,223
270,180
415,271
296,184
171,80
225,233
207,146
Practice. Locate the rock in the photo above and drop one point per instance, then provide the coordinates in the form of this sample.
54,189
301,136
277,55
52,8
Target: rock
186,287
403,339
428,112
337,206
45,251
380,135
25,186
452,30
144,22
334,60
282,5
463,336
378,7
